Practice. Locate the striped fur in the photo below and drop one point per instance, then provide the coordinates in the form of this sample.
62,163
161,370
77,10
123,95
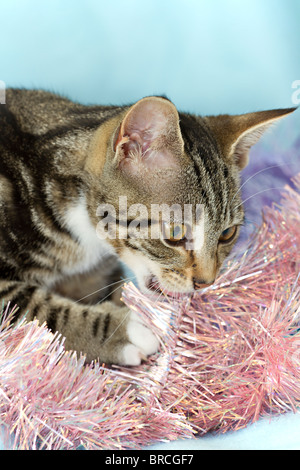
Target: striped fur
57,164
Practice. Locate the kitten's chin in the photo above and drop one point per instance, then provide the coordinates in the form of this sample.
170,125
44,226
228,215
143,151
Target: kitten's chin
154,289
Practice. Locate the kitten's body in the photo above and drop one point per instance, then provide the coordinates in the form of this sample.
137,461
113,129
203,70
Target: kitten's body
59,160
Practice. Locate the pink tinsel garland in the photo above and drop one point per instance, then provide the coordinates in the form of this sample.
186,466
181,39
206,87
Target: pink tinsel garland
229,354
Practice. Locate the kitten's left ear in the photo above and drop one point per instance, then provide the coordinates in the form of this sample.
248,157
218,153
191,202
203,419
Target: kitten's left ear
149,136
237,134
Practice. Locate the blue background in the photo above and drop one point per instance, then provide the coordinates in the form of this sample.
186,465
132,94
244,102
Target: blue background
208,56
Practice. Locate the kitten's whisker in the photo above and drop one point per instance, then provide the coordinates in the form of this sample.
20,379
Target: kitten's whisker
111,292
105,287
116,329
161,293
126,316
259,192
257,173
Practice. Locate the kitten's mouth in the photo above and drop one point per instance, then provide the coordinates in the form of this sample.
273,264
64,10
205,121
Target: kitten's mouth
155,287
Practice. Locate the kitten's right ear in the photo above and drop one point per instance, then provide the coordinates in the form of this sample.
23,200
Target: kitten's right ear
149,137
237,134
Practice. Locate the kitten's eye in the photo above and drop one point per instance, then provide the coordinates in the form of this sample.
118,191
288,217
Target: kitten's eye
228,234
174,233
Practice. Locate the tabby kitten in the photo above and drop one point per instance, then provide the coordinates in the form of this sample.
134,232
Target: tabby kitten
60,160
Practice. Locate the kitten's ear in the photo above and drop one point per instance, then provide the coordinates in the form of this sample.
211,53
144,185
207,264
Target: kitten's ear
237,134
149,136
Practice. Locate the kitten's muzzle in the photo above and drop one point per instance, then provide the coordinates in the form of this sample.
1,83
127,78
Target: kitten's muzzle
154,285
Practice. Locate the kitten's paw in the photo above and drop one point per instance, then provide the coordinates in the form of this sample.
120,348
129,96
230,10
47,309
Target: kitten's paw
142,342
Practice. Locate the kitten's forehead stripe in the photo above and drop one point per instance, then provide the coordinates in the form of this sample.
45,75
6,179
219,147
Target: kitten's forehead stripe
210,168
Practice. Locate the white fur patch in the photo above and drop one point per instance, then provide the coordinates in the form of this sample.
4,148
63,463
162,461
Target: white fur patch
78,222
144,342
130,356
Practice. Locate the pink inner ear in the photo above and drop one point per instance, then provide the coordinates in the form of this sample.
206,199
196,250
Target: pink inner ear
132,144
141,140
140,128
141,136
155,160
147,121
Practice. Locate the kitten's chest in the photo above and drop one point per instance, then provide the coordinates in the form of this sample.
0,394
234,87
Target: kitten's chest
90,249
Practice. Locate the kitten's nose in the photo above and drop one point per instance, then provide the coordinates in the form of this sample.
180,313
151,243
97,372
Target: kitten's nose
200,284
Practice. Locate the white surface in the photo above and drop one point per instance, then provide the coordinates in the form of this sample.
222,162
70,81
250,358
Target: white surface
280,433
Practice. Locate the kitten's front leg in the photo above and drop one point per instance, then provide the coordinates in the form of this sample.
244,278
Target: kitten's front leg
112,334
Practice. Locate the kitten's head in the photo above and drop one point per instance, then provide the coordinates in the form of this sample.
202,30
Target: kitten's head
159,156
